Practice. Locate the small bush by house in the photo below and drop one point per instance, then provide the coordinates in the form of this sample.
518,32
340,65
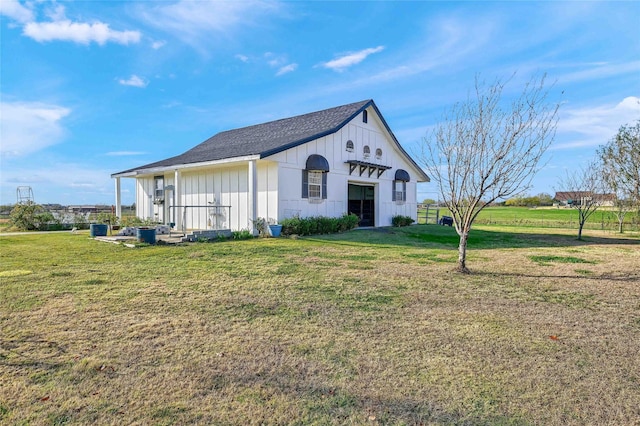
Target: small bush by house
318,225
399,220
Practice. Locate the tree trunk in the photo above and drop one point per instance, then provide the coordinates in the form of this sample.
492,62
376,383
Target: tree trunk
462,253
580,230
620,230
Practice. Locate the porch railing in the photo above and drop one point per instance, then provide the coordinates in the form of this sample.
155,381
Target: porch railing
193,217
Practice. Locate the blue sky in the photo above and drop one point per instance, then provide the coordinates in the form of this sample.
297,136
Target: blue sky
90,88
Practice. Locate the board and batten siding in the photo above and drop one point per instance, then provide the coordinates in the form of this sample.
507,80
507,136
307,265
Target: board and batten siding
333,147
228,186
279,182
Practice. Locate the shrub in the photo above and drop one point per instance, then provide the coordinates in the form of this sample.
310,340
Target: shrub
27,217
399,220
261,225
42,220
80,221
106,217
318,225
134,222
348,222
244,234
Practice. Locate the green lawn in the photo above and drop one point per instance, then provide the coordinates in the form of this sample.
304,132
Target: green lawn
548,217
367,327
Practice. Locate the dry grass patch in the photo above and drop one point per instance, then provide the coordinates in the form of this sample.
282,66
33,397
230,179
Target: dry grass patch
359,328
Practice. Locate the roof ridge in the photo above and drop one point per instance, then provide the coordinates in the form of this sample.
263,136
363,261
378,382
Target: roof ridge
269,138
363,102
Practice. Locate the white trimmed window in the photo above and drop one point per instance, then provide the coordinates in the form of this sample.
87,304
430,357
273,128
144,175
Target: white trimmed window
158,186
401,192
314,178
315,185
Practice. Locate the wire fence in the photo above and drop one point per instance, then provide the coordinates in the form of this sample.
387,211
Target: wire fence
604,220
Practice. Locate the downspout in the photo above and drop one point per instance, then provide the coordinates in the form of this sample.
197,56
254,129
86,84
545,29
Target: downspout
118,199
253,195
177,200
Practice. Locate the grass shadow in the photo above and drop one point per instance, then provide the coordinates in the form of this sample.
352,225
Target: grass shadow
595,278
444,237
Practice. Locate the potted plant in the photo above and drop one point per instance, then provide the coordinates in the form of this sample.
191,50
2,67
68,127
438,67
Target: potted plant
147,232
104,221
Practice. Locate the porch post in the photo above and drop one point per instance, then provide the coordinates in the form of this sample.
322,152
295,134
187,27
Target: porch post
177,200
253,195
118,199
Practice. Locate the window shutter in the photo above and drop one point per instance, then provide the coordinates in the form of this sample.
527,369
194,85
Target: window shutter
305,184
404,191
324,186
393,190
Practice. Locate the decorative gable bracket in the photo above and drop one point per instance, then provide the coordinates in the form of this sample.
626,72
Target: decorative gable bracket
363,166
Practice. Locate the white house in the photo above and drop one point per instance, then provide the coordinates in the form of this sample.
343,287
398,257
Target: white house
326,163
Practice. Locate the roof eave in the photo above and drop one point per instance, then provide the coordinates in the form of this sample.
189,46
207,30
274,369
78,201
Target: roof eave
174,167
423,177
318,135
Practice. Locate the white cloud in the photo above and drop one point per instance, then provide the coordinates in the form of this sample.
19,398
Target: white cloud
600,71
275,61
595,126
287,69
15,10
343,62
56,13
134,81
61,28
197,22
281,62
158,44
28,127
78,32
242,58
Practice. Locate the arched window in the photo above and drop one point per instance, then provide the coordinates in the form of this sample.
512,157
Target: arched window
314,178
378,153
366,151
350,146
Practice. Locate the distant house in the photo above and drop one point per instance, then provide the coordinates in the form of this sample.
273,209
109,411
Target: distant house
82,209
326,163
568,198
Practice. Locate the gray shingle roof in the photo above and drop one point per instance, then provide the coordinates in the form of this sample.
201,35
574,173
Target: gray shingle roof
270,138
265,139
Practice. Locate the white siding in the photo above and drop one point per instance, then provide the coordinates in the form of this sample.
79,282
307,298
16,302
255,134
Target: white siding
279,181
268,191
228,185
225,186
333,148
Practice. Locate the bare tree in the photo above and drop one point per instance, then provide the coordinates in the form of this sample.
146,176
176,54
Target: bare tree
623,202
584,188
621,165
488,148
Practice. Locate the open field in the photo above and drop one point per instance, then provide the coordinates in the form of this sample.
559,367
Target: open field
368,327
548,217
